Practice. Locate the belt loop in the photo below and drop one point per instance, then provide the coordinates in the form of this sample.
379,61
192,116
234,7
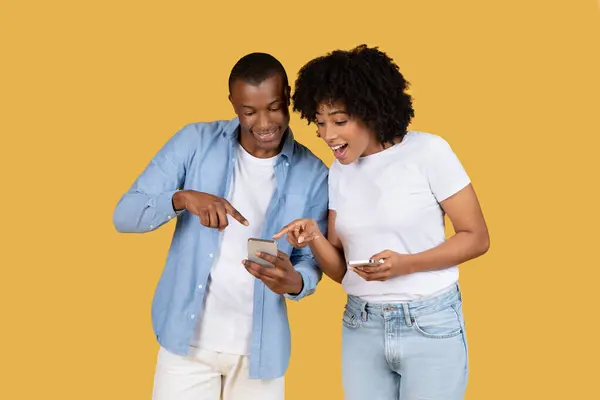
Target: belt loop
407,316
363,311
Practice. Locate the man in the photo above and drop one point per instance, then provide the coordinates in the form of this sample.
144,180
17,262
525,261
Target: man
223,333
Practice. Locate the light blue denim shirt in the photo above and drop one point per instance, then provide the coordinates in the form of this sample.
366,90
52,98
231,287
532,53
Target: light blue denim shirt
201,157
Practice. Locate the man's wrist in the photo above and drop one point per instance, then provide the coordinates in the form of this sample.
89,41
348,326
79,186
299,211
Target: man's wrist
179,199
298,285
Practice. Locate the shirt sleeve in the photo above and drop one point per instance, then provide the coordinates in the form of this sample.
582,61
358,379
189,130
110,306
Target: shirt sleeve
303,259
444,170
332,186
148,204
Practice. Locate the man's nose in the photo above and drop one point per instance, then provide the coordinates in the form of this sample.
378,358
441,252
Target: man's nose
263,123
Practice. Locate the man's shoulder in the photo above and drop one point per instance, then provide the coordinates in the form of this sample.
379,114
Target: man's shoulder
305,157
208,128
311,174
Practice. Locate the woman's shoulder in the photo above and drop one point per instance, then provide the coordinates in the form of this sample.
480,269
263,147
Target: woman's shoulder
426,139
426,145
334,169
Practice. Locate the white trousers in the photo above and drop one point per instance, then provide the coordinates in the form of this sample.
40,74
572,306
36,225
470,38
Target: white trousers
207,375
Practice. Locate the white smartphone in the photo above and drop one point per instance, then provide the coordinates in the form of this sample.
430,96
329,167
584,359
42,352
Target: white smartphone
263,246
363,263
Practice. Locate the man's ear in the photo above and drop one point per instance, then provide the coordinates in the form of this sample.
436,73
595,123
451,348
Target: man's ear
231,101
288,94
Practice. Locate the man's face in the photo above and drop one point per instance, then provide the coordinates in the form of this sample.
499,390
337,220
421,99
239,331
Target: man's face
263,113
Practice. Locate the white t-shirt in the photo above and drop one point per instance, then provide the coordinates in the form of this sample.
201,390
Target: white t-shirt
390,201
226,323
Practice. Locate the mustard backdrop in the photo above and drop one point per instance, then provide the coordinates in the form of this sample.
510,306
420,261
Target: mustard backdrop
90,90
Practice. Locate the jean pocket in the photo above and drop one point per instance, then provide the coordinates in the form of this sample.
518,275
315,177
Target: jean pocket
445,323
350,319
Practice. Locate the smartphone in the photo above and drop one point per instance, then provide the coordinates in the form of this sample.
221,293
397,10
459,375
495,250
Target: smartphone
364,263
263,246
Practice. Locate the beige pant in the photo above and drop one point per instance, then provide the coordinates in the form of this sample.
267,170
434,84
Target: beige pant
207,375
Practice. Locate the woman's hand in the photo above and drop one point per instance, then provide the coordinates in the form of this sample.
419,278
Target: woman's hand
390,265
300,232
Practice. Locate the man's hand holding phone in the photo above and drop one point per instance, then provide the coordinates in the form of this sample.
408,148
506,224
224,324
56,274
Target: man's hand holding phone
282,278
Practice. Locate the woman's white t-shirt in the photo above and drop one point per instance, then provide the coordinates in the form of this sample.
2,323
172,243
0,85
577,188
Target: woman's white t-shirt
390,201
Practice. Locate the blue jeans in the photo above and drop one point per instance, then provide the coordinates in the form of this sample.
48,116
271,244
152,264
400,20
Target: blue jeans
405,351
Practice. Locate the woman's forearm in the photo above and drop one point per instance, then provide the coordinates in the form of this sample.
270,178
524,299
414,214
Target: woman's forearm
330,259
460,248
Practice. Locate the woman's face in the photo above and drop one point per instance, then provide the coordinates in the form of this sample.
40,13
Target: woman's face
347,137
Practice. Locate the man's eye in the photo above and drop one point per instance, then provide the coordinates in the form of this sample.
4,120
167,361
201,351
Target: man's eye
340,123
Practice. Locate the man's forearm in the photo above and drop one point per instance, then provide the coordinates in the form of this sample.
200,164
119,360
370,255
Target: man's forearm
139,212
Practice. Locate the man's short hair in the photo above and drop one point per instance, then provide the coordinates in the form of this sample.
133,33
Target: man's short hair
254,68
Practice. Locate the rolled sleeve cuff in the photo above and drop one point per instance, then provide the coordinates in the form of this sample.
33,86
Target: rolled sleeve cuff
308,286
164,205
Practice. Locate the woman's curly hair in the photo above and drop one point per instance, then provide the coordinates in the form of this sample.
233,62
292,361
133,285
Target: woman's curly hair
366,81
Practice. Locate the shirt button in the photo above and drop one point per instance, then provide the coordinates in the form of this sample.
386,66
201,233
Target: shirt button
151,226
192,316
210,255
287,164
199,286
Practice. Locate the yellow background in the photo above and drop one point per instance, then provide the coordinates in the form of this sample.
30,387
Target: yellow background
89,91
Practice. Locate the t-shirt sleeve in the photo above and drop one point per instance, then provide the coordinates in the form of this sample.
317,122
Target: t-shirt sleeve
445,172
333,186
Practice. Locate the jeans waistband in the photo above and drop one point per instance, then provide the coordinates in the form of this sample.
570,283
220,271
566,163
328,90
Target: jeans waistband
410,308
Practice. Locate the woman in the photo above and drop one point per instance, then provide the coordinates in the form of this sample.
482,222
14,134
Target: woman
389,189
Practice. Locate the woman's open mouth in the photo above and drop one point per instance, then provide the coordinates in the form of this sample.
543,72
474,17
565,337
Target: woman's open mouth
339,151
